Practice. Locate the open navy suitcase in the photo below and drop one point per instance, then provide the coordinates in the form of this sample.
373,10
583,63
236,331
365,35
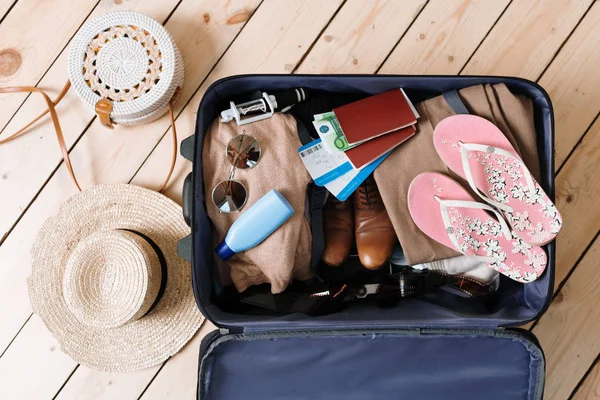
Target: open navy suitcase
416,350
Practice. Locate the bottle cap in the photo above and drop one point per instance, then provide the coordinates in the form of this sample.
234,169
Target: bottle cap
224,252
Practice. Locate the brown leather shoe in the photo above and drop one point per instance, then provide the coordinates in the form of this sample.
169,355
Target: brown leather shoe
338,230
375,236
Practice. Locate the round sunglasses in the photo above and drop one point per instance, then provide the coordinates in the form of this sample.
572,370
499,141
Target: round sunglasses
243,152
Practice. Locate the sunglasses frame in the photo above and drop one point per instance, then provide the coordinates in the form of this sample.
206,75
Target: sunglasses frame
225,182
233,169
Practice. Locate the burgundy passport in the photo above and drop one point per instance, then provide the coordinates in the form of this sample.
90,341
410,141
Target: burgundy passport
375,116
369,151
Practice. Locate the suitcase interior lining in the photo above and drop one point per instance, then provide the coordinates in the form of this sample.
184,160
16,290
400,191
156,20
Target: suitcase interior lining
517,303
417,364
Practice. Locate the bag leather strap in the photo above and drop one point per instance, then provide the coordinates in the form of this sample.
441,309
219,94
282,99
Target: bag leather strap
51,108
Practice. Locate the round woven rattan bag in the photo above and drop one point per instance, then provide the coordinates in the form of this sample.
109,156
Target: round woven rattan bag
126,64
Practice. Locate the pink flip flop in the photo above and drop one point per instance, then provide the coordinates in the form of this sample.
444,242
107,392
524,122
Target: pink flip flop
447,213
477,150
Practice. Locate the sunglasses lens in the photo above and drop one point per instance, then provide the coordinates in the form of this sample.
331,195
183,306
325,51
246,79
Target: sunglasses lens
229,196
243,151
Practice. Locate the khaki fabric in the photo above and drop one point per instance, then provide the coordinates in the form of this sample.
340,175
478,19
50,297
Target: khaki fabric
286,253
514,117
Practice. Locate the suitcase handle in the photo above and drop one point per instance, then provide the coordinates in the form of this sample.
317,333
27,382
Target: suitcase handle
187,151
187,148
187,199
184,246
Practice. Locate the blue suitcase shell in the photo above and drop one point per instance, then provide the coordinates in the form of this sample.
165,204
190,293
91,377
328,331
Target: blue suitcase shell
417,350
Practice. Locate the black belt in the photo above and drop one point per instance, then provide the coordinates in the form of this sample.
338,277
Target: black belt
325,299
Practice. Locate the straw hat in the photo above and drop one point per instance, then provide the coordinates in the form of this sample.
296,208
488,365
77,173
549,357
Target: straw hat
107,280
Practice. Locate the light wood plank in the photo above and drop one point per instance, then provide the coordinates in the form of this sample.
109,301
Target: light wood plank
179,377
93,385
573,82
287,43
36,31
16,367
568,332
293,29
360,36
33,157
201,47
577,193
590,390
88,384
526,38
431,46
4,6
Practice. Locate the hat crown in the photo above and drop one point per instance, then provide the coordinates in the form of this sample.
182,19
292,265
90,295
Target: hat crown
111,278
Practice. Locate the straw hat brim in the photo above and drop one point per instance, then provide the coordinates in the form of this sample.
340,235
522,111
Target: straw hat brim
138,344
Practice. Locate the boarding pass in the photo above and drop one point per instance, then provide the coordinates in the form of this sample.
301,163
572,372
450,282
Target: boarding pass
346,184
323,166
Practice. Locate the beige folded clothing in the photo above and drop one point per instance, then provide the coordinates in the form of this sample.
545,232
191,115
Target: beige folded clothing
514,117
286,253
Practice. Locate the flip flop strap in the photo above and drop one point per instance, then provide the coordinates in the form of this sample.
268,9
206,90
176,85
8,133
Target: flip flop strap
464,153
444,204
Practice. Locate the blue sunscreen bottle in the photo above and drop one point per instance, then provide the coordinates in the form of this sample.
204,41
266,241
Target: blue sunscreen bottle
255,224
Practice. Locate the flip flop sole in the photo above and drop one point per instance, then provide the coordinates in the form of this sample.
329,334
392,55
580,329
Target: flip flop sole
501,178
476,233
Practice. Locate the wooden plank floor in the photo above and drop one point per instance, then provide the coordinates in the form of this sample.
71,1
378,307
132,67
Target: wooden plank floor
553,42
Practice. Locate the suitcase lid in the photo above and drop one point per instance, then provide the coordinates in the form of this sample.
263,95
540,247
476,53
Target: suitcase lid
375,364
